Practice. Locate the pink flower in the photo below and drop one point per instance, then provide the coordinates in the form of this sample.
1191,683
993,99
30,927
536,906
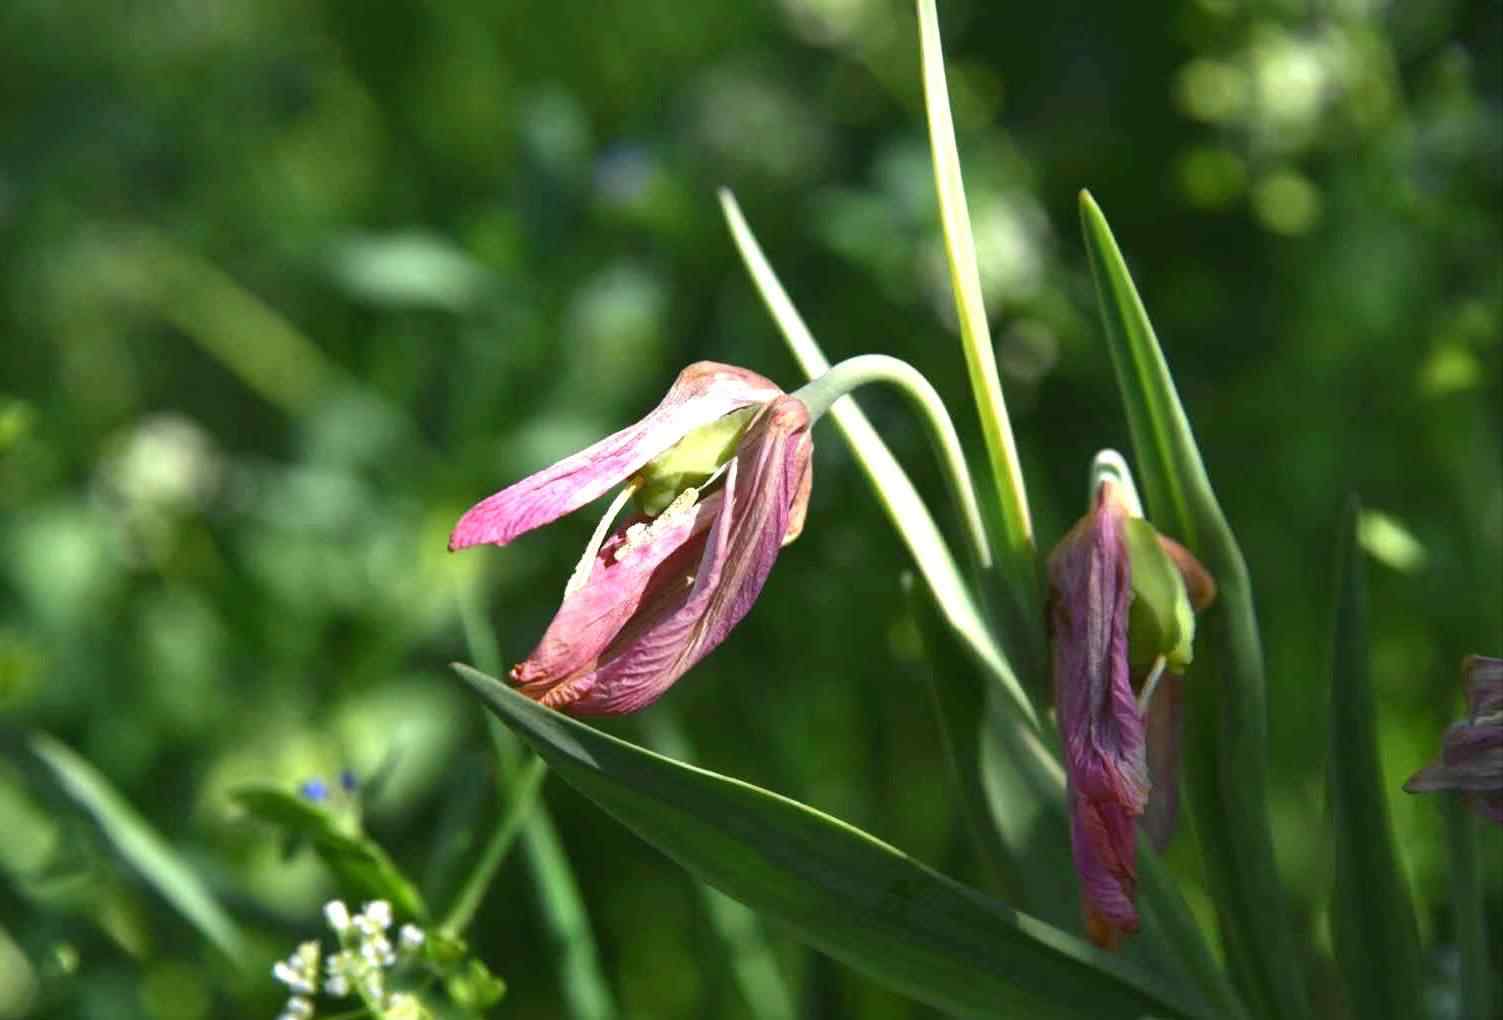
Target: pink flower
1121,746
1471,754
663,590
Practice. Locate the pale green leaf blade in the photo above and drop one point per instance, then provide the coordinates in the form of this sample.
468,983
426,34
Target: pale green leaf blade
849,895
900,499
1372,915
970,310
1226,743
139,845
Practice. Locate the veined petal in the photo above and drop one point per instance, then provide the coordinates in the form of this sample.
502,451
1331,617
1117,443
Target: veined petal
640,559
761,487
1090,576
1098,713
1165,732
1103,849
1471,761
702,393
1485,691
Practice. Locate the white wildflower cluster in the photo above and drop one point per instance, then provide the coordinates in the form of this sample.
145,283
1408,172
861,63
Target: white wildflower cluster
299,972
366,952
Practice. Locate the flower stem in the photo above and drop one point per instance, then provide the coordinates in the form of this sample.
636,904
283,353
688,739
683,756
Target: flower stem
846,376
1466,895
568,924
520,797
905,508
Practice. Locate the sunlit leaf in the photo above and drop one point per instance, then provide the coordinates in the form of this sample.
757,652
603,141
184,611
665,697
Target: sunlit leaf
1226,731
849,895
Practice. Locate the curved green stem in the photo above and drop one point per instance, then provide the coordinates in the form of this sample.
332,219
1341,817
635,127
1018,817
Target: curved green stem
521,795
844,377
905,508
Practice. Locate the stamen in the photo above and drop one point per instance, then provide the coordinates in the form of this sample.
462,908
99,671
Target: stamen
1150,685
640,534
581,575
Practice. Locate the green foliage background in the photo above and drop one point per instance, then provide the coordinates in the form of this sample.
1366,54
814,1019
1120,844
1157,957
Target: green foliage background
288,285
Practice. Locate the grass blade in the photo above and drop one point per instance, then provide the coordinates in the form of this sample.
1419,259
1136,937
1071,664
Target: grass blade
849,895
1372,915
1226,739
1477,986
518,799
140,845
905,508
970,310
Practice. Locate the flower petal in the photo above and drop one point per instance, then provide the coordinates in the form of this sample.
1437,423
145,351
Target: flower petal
1166,727
702,393
641,559
1103,849
1098,713
1485,679
761,488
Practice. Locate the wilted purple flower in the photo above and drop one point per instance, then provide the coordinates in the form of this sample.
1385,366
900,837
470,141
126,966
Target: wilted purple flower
663,590
1471,753
1121,746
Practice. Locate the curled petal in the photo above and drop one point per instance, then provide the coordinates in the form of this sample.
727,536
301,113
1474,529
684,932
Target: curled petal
691,613
1105,744
637,564
1098,713
1471,752
1166,727
702,393
1485,685
1200,586
1103,849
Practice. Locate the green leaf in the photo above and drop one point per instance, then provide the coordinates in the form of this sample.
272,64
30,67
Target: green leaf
1226,741
1372,916
739,932
139,844
905,508
1018,555
849,895
354,857
1468,900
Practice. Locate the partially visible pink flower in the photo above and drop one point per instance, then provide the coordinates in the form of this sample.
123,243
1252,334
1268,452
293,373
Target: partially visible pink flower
1106,758
1121,745
662,591
1471,754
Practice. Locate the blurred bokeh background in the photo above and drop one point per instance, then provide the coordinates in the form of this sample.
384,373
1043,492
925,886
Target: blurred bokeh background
287,285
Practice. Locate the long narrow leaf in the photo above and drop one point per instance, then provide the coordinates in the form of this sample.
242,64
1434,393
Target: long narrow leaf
139,844
359,861
1226,730
905,508
970,309
849,895
1372,916
1477,985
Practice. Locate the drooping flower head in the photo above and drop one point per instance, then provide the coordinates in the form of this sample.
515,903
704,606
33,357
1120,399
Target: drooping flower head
721,471
1121,608
1471,754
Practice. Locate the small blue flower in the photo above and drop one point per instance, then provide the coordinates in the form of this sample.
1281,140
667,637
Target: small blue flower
314,789
347,780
